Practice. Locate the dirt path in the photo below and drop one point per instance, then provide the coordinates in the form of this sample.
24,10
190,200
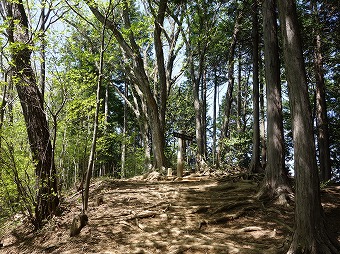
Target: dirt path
190,216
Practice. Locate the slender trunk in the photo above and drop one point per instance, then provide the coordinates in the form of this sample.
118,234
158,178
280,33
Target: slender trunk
229,94
198,121
123,173
255,160
214,115
231,61
42,54
321,108
239,93
204,113
106,107
245,102
2,109
310,235
262,124
95,126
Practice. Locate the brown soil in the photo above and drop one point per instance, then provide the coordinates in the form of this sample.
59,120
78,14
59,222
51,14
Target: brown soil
191,215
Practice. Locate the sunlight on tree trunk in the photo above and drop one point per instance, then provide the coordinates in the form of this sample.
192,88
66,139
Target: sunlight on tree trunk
311,233
47,199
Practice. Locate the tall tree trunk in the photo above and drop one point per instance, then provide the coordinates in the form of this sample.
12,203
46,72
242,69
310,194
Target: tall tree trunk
204,111
239,93
123,158
229,94
2,109
245,102
255,160
310,235
35,117
262,122
214,116
321,108
275,184
162,77
42,53
231,61
90,166
198,123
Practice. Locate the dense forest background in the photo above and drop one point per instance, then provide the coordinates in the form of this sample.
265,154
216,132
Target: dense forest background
100,88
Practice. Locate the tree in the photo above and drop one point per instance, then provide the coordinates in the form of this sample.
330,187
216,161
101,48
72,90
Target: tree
275,182
321,107
255,160
231,61
310,235
96,116
19,37
229,96
132,51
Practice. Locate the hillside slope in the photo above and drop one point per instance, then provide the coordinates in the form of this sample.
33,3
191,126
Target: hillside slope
193,215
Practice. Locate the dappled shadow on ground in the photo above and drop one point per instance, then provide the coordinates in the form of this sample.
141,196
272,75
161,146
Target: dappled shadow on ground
194,215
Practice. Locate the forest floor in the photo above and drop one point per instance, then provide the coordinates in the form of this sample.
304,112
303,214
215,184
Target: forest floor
195,214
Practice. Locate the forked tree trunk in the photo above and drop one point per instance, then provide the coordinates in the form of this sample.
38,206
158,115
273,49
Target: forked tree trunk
231,79
311,234
35,118
156,108
229,94
275,185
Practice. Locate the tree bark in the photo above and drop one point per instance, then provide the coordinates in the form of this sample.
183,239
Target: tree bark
275,184
35,118
239,93
204,111
310,235
42,54
262,121
214,116
321,108
123,156
255,160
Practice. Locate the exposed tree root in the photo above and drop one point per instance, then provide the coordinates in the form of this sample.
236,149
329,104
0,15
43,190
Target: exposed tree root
279,195
202,209
321,242
224,219
284,225
226,208
142,215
